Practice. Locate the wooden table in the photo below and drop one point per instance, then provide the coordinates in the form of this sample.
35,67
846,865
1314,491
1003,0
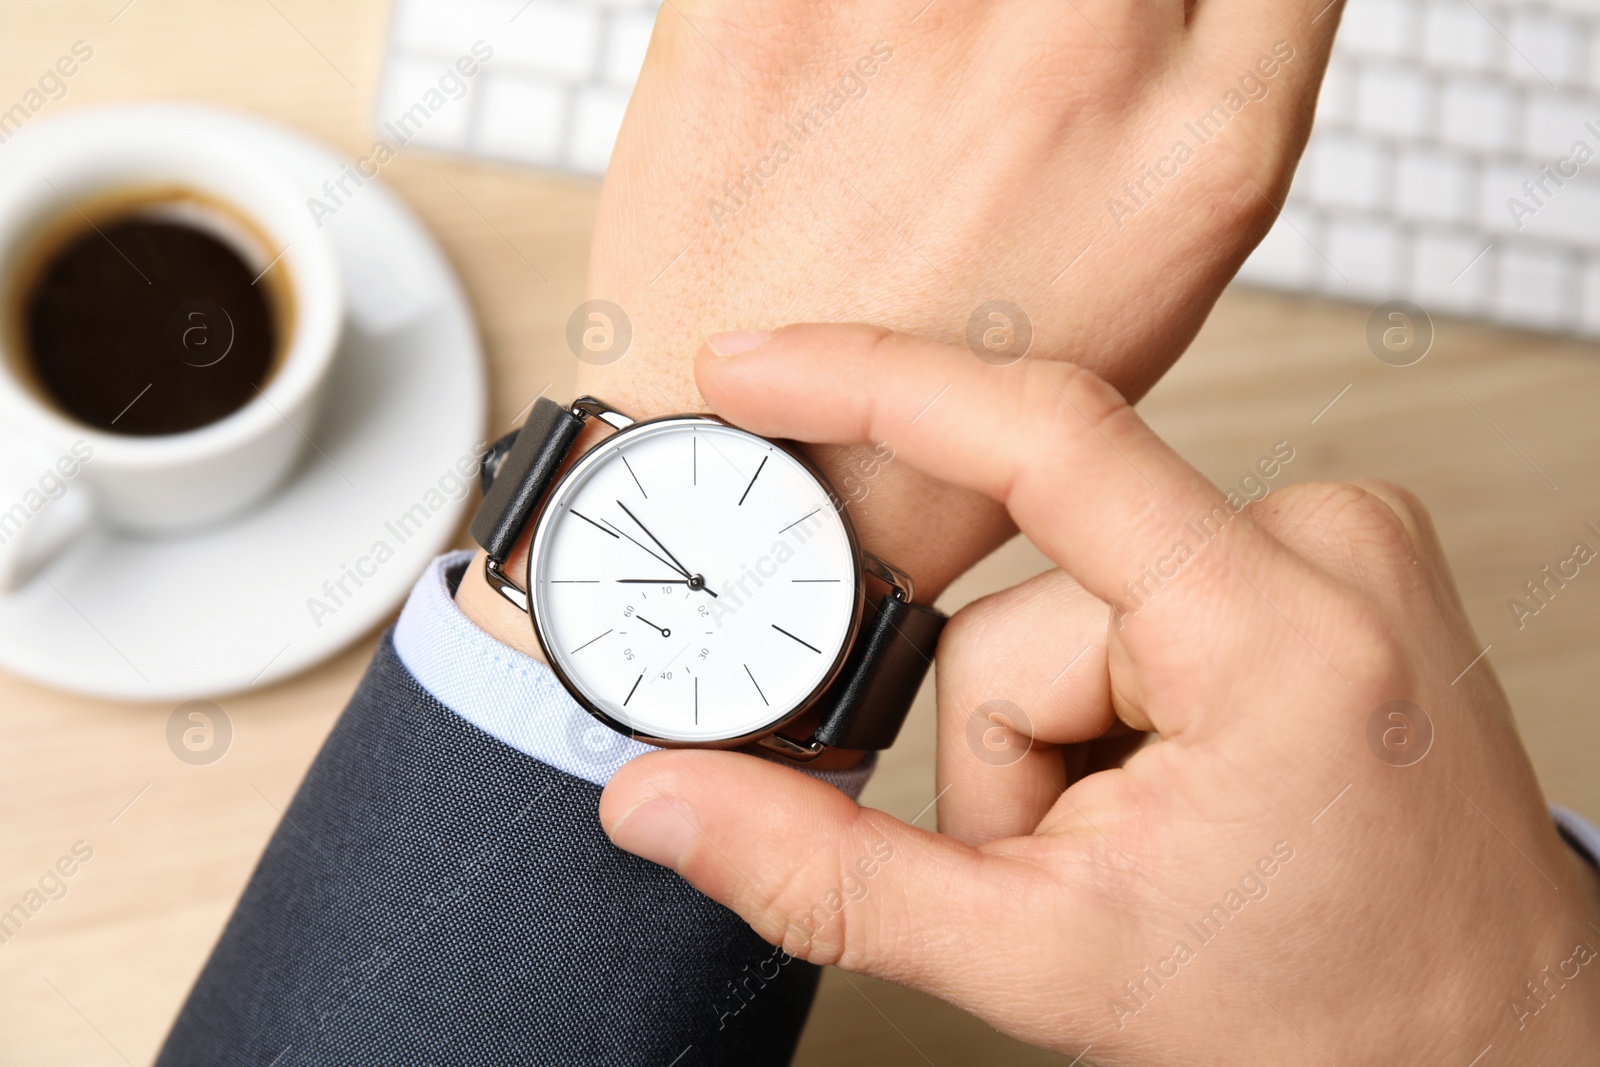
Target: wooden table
1483,428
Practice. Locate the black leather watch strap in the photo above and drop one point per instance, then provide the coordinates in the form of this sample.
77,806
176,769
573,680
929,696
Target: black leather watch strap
517,478
870,699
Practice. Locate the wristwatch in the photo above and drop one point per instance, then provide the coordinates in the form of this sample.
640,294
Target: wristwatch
695,585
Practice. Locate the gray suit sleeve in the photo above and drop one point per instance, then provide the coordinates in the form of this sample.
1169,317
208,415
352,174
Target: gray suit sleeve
433,896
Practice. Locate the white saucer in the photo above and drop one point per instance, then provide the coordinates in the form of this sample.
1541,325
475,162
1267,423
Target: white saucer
226,608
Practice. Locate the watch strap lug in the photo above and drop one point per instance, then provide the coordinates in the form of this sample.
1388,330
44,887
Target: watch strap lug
791,749
889,575
593,407
872,696
503,585
519,478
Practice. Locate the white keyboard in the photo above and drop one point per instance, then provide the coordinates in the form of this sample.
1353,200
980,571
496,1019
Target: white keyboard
1434,114
551,94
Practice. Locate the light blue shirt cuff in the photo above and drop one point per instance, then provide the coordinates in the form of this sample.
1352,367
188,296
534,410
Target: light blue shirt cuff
514,697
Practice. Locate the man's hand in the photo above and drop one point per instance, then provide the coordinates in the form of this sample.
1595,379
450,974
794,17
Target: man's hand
1102,165
1334,848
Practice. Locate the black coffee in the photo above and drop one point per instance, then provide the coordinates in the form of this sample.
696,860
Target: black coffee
147,326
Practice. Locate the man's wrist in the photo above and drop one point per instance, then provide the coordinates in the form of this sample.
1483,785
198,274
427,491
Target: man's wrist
493,613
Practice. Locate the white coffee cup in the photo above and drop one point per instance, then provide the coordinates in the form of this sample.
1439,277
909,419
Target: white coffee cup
59,478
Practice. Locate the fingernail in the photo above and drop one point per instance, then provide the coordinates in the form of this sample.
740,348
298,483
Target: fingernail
659,830
734,342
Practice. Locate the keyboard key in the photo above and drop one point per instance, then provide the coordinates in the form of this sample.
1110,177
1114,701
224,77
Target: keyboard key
1535,287
1367,254
447,30
1552,122
1476,114
1433,186
406,106
1348,172
558,39
1530,202
1456,36
523,119
1544,48
1394,101
1384,28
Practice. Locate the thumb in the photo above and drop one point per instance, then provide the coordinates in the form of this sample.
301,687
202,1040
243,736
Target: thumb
809,869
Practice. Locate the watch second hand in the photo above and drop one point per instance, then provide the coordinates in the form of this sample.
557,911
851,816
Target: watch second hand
680,567
646,547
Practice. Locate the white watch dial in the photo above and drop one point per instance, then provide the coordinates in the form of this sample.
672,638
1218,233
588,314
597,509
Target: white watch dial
693,581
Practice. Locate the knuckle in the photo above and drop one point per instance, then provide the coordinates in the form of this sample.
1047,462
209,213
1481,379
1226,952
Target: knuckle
1406,505
1377,657
1365,520
1060,402
870,337
795,915
816,913
1371,653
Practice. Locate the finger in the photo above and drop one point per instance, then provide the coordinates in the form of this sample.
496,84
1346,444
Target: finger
1079,471
1022,673
811,871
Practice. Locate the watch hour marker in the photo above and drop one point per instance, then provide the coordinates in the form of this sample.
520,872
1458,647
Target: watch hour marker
574,581
806,581
697,701
753,478
755,683
798,521
635,688
636,481
694,459
792,637
591,522
589,642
